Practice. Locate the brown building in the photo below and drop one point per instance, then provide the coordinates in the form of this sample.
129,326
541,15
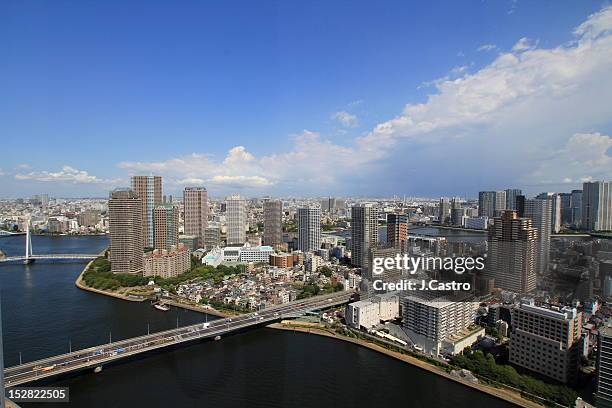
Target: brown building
149,189
282,260
166,223
167,263
195,201
126,231
397,229
511,259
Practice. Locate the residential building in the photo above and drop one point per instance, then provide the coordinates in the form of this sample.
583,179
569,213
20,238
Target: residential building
512,251
397,229
126,231
486,204
273,222
444,209
149,189
603,393
236,214
364,232
167,263
195,202
540,211
166,226
511,195
309,228
546,340
597,205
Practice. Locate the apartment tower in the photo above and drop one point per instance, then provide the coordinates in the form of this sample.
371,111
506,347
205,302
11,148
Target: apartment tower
126,231
273,222
236,215
364,233
149,189
195,202
309,228
166,226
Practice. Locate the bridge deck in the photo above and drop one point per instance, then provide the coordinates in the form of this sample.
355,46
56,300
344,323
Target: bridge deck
51,257
98,355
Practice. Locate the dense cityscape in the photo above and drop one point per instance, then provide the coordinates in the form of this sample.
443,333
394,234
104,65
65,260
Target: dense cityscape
289,204
539,305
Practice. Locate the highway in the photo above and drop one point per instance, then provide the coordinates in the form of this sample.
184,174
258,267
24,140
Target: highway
105,353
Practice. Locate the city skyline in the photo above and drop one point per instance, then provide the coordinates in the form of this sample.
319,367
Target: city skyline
371,131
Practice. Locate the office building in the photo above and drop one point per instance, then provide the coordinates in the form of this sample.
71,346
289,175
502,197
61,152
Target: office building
512,251
540,212
457,215
273,222
195,202
603,393
500,202
126,231
236,215
149,189
364,232
546,340
309,228
397,229
511,195
566,209
597,206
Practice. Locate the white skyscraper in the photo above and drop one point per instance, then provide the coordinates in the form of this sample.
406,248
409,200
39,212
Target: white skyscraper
236,219
597,205
309,228
540,211
364,232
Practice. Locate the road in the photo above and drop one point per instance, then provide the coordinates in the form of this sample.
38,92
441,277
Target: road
105,353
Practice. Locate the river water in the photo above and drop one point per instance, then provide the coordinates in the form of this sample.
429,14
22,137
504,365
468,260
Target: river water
43,314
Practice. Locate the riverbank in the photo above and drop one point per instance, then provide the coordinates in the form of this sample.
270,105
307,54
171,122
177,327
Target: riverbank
132,298
501,393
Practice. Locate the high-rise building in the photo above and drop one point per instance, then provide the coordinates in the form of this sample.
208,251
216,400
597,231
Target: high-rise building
486,204
566,208
597,205
546,340
149,189
166,226
511,194
236,215
273,222
126,231
577,208
195,202
512,251
555,210
540,211
212,236
500,202
444,210
603,393
364,232
328,204
397,229
309,228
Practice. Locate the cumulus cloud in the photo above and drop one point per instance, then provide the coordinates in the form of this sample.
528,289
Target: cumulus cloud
346,119
529,117
66,174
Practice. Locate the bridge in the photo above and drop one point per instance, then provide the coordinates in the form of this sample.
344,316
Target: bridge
29,256
97,356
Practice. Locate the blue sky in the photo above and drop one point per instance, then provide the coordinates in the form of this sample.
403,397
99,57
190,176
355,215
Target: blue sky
305,98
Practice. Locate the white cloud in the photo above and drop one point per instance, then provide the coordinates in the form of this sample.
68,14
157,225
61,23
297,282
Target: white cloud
487,47
66,174
346,119
530,116
2,173
585,157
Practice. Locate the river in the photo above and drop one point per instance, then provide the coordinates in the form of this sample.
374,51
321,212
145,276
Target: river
44,314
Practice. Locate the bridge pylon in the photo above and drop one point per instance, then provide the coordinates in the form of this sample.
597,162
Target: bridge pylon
28,248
